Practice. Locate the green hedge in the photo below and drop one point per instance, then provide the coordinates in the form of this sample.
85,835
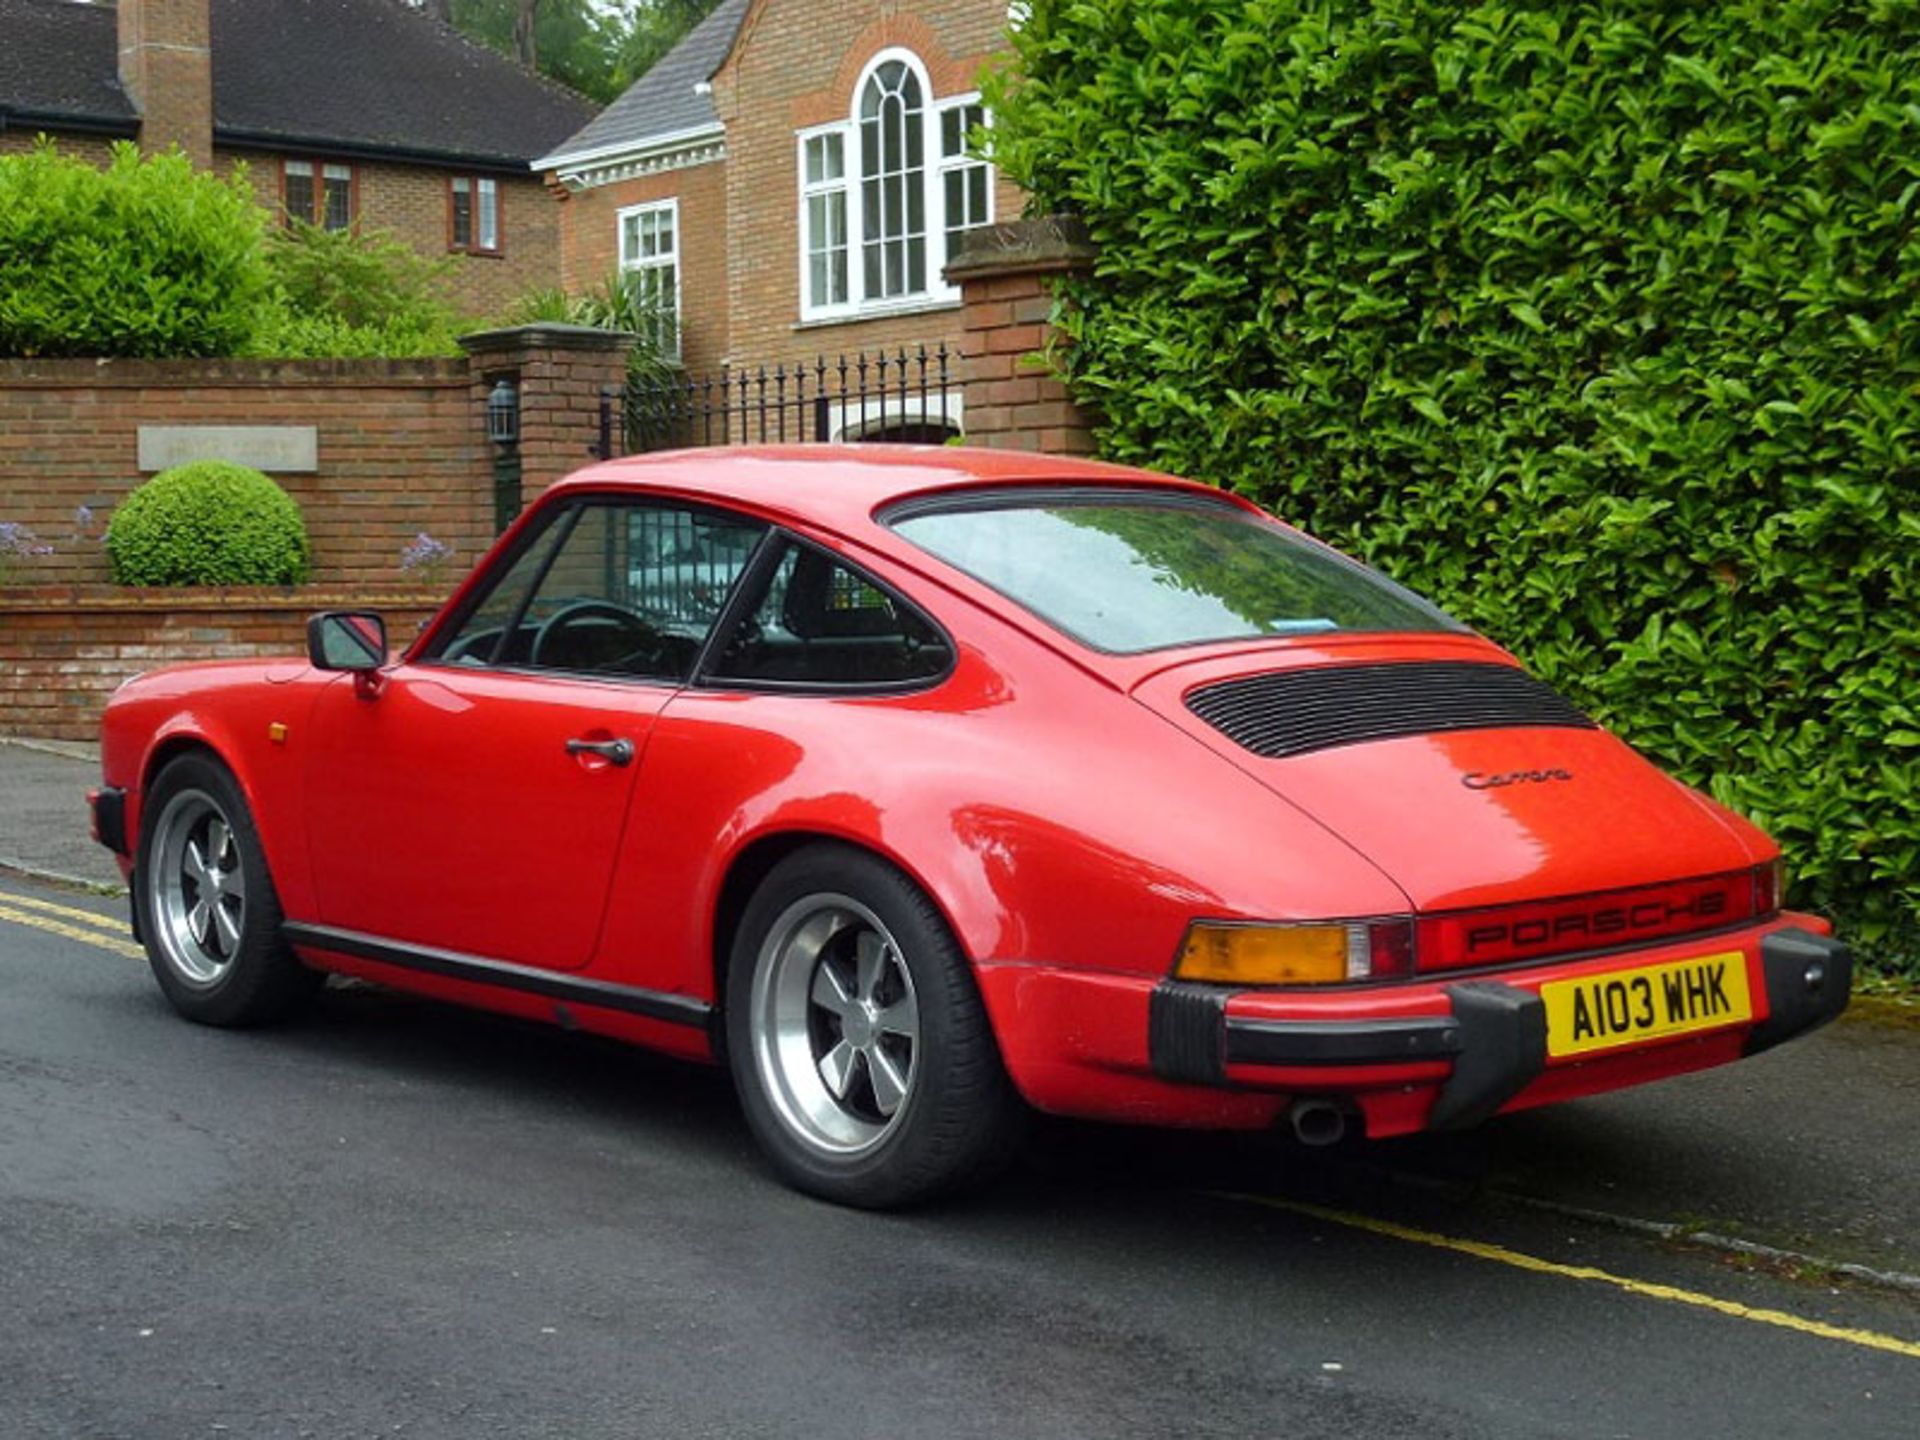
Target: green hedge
146,257
208,523
1599,322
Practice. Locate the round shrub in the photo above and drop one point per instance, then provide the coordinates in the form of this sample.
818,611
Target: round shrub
208,523
1596,320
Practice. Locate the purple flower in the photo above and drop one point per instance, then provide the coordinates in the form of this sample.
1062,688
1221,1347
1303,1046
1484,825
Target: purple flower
17,539
425,554
18,542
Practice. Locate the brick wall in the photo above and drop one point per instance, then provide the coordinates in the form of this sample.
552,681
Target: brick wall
63,651
590,249
95,149
1006,273
410,202
400,451
561,372
795,65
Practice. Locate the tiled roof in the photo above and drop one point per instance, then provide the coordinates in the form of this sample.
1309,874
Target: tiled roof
356,76
58,62
670,99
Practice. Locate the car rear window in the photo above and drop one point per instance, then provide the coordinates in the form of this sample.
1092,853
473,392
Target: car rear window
1127,571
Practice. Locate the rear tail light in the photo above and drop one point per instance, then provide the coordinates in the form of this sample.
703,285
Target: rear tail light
1233,953
1769,886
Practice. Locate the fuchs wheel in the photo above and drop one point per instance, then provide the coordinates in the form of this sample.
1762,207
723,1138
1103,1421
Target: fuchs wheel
207,904
861,1050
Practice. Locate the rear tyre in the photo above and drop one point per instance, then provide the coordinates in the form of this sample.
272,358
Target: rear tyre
864,1059
208,910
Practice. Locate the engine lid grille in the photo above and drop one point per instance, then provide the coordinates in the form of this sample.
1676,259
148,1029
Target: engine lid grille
1295,712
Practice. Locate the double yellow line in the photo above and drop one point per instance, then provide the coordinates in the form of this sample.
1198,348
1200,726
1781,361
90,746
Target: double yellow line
1647,1289
69,922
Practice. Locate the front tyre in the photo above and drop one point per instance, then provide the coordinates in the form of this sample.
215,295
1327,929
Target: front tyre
863,1056
208,910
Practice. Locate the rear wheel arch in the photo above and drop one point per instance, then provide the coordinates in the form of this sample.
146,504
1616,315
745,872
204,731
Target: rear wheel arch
755,861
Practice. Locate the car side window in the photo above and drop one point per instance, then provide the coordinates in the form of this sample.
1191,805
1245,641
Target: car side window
821,622
628,588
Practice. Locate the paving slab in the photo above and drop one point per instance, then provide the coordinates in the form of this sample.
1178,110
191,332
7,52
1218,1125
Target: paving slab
44,827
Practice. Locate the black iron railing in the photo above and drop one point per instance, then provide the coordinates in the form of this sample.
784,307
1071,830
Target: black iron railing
904,395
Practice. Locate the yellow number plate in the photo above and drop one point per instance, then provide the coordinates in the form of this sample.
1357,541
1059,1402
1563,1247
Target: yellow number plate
1601,1011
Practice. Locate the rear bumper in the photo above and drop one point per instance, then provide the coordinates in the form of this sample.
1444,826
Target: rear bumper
1427,1055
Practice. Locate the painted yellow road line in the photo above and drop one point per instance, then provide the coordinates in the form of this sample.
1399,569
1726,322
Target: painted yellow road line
116,923
1500,1255
98,939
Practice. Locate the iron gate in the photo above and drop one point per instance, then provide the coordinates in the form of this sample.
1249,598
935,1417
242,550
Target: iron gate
904,395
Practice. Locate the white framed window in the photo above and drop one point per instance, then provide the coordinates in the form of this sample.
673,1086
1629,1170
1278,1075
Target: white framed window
893,182
650,261
966,181
824,280
885,194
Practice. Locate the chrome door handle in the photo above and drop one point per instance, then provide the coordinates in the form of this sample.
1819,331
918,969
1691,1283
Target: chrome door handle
615,752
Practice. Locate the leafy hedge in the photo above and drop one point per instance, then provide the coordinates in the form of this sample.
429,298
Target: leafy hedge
151,259
344,293
1598,321
210,522
145,257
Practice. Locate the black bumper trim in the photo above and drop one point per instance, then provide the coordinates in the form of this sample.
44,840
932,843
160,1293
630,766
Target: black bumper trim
1343,1042
1503,1046
1809,979
110,818
1186,1032
1496,1038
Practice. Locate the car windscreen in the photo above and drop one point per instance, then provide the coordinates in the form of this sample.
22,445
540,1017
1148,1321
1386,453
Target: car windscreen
1126,572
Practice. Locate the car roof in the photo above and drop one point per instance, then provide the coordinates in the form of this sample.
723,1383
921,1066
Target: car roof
840,486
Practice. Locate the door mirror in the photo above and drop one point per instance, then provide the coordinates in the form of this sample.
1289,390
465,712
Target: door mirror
353,640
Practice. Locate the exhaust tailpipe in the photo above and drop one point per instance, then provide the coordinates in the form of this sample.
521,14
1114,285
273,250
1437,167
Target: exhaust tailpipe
1317,1122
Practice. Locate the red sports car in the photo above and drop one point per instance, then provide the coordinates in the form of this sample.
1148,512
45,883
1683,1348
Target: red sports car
920,786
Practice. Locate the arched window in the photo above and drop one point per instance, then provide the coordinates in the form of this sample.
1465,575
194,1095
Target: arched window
886,193
893,183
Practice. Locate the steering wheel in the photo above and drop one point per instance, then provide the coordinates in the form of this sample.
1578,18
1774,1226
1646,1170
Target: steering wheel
650,642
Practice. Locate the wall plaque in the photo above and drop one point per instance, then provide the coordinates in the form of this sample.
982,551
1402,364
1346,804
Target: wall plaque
285,449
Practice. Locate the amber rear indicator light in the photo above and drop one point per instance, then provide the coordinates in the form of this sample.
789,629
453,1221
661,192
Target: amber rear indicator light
1231,953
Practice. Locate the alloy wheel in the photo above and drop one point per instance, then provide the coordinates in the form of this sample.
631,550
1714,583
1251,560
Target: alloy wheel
835,1024
197,888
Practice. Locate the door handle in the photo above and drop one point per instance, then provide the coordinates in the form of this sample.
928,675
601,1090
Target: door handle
614,752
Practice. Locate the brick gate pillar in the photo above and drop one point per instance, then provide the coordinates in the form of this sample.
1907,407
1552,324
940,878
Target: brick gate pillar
1006,274
559,371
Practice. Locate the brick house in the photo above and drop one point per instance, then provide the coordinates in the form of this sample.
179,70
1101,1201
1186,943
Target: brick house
345,112
789,181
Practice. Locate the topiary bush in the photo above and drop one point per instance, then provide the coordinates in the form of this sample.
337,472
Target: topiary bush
146,257
1598,321
208,523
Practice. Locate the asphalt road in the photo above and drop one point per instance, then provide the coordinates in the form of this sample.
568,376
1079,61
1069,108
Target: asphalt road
397,1219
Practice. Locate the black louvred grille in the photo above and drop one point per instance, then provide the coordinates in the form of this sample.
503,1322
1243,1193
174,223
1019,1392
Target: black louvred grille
1295,712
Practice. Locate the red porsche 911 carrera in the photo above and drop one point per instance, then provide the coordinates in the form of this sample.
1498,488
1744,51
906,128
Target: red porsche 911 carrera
920,786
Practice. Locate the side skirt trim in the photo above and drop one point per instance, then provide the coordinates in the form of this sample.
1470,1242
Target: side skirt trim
653,1004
